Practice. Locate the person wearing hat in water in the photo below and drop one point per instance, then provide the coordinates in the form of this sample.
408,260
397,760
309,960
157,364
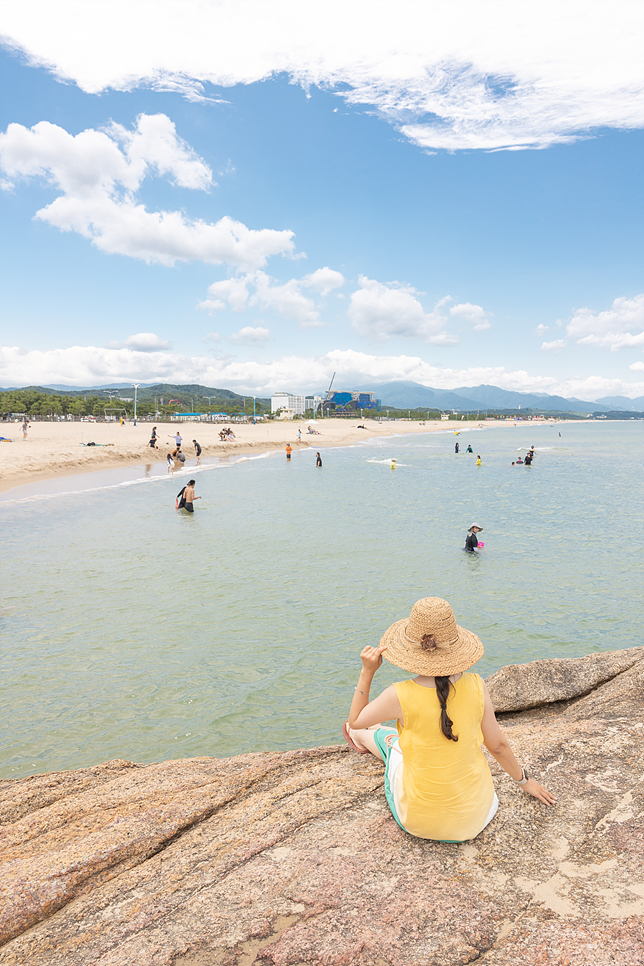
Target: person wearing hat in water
471,541
437,782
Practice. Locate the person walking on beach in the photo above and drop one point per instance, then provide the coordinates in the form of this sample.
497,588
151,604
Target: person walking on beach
289,450
153,438
471,541
177,438
25,427
318,459
197,451
437,782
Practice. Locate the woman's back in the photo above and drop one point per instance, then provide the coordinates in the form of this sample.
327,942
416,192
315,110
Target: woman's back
444,790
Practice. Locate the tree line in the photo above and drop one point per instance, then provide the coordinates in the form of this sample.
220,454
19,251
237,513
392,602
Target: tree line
31,402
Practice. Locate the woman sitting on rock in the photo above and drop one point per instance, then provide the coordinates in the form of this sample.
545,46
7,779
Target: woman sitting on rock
437,781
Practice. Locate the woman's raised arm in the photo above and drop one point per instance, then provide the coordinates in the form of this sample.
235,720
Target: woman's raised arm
386,706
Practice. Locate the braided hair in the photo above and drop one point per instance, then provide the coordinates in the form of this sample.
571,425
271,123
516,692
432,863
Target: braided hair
442,690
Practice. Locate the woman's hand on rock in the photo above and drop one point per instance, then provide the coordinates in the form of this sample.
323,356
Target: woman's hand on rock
371,658
533,787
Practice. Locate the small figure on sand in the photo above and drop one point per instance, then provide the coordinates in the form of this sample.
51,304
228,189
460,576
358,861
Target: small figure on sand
318,459
177,439
197,451
153,444
299,435
289,450
437,784
186,497
25,427
471,540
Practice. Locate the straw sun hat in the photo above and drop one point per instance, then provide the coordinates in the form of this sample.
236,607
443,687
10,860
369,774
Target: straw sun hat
448,649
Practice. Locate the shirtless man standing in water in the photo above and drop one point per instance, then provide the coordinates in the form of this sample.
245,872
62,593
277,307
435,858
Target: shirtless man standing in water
189,496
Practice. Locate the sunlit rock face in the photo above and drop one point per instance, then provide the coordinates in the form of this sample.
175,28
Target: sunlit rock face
293,858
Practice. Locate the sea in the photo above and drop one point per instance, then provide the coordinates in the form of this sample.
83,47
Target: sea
132,630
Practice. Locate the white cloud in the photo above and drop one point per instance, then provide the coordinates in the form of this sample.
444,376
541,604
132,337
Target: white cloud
231,290
381,312
463,74
92,365
324,280
250,336
472,313
99,172
615,328
637,367
146,342
541,329
285,298
211,337
555,346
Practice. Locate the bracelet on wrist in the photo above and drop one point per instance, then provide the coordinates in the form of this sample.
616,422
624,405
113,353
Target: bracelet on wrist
523,779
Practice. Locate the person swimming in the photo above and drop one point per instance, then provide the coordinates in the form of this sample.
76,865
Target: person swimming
478,460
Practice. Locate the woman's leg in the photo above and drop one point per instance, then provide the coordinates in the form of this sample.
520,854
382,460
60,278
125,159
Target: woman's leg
363,737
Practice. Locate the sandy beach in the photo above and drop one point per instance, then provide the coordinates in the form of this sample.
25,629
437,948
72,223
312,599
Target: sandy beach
56,449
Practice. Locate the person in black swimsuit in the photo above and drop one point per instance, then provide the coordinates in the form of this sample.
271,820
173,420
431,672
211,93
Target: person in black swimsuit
197,451
471,542
318,459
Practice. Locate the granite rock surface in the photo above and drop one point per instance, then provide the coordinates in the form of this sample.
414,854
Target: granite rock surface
293,858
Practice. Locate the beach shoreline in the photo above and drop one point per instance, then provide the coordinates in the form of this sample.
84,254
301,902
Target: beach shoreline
59,449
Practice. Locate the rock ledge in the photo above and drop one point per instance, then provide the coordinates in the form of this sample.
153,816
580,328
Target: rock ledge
293,858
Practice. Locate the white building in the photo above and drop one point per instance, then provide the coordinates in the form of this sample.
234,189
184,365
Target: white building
293,405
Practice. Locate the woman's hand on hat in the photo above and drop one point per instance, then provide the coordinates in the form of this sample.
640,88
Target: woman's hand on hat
371,658
535,788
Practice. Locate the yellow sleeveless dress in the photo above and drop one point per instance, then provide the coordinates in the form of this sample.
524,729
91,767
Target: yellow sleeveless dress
444,789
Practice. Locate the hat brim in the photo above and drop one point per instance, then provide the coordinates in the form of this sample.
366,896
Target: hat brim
442,662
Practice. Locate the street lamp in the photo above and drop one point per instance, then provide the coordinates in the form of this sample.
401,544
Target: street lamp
253,410
136,389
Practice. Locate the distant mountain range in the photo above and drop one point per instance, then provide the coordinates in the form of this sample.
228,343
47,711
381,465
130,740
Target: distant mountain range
398,395
411,395
197,394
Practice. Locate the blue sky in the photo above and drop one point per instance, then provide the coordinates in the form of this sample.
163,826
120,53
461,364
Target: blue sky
484,227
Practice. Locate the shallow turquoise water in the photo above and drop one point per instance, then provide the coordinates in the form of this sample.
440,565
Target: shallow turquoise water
132,631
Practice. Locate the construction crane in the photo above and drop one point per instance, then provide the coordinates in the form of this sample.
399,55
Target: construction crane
328,393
